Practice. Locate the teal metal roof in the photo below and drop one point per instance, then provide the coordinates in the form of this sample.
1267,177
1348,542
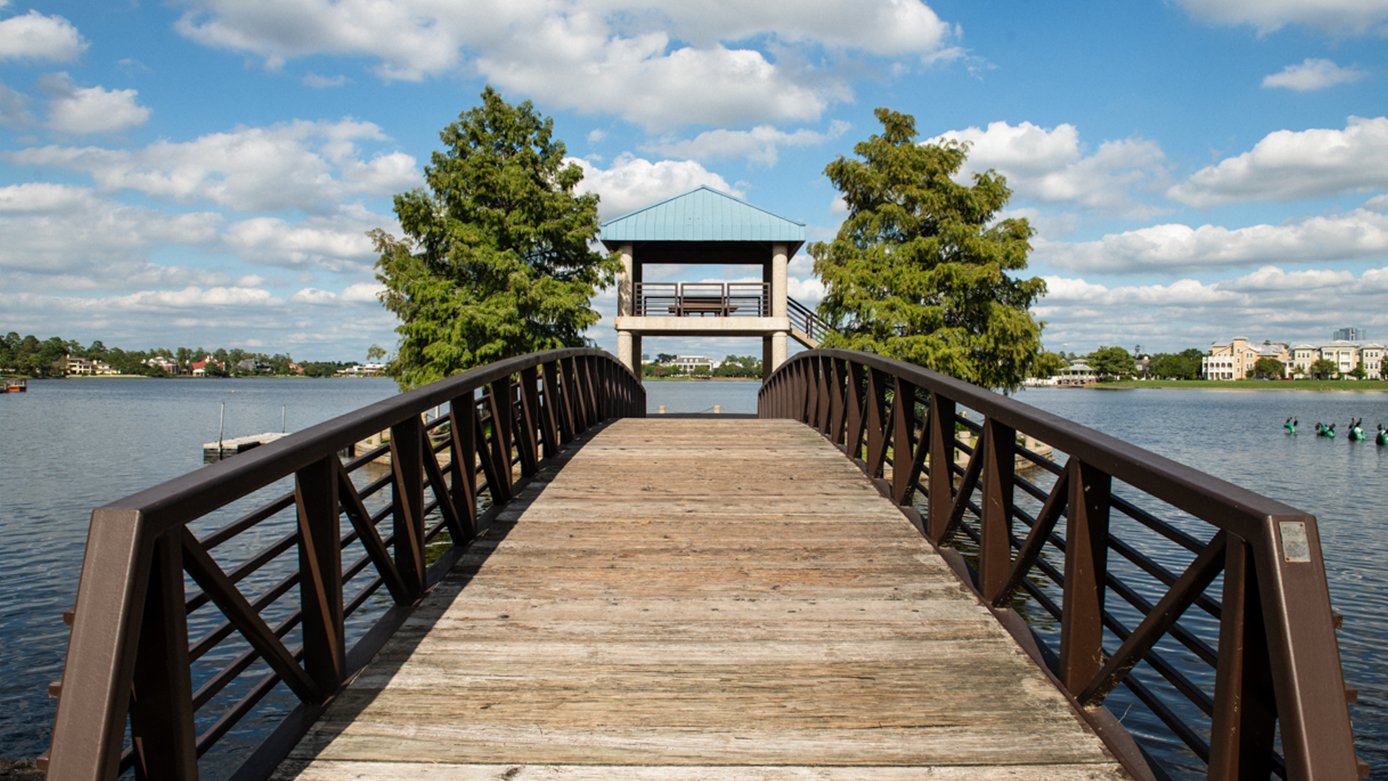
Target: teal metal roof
702,214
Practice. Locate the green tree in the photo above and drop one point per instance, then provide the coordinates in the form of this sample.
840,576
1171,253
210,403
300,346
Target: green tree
1049,364
495,261
919,269
1323,369
1269,367
1112,362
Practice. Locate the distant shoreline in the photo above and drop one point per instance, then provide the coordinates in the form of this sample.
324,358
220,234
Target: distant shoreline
1357,386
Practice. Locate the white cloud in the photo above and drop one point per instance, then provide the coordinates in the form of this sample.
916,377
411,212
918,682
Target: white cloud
80,110
1313,74
1289,165
1268,303
309,166
633,183
54,236
759,144
658,64
38,37
14,107
1051,165
323,82
1333,16
338,244
1355,235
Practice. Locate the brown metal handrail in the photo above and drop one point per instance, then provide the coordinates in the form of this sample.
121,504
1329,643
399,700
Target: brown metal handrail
137,634
686,299
806,320
1265,642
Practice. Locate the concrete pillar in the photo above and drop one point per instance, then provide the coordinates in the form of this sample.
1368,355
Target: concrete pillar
626,285
636,354
778,349
766,358
779,261
624,345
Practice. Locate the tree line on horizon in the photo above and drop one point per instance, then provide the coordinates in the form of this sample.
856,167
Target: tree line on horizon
31,357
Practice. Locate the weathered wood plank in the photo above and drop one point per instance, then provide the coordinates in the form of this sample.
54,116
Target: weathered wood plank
691,599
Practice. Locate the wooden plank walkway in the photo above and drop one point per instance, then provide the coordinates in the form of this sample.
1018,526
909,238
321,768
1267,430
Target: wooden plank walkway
701,599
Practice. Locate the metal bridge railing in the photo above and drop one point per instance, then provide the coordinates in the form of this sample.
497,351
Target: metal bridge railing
178,636
1197,609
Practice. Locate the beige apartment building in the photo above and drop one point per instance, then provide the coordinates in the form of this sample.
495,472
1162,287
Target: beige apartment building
1234,360
1344,354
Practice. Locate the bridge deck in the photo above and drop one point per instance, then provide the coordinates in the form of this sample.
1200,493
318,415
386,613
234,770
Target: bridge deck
689,599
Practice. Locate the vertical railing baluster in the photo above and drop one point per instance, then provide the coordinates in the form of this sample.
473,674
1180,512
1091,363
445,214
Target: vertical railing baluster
550,414
1244,724
877,424
811,393
407,501
462,424
161,704
1086,565
320,572
527,421
822,405
837,408
590,391
568,418
941,453
999,467
853,437
499,408
903,448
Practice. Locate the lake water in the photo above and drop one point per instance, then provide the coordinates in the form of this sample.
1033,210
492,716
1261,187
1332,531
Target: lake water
68,446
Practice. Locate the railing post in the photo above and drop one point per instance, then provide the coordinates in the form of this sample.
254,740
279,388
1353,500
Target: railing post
407,501
320,573
1086,568
549,414
161,706
528,430
941,453
836,401
499,410
568,415
462,414
1244,724
995,546
903,447
877,424
853,437
822,405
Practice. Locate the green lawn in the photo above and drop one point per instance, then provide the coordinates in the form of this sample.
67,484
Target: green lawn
1306,385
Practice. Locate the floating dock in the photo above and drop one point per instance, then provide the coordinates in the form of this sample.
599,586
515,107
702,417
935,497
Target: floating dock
230,447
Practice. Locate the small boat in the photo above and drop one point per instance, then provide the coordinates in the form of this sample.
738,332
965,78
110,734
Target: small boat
1290,425
16,385
1356,431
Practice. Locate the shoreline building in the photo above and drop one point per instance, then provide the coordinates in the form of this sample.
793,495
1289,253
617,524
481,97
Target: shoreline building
1233,361
1346,355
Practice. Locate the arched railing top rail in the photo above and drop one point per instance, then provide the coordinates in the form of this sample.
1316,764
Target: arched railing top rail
178,637
1103,599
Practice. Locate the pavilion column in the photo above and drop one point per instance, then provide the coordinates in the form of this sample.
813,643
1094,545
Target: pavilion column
776,343
628,344
779,262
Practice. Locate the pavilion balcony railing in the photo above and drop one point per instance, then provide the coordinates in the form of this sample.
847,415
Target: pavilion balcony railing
243,595
703,299
1196,609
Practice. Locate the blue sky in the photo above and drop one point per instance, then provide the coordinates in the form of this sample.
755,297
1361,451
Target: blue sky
203,172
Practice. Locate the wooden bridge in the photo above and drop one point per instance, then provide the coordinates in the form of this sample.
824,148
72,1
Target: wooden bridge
821,592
